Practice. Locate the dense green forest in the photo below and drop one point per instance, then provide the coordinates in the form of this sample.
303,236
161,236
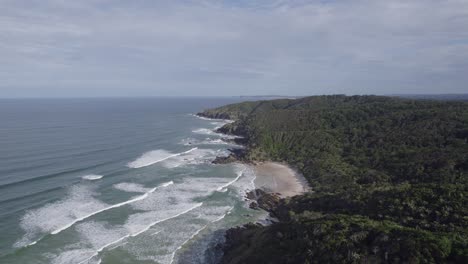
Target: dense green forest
389,179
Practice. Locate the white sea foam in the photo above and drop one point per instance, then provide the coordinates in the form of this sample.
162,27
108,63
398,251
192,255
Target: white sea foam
131,187
99,237
135,187
133,233
198,156
201,117
218,124
224,215
155,156
167,218
206,141
245,183
158,206
138,198
185,242
204,131
167,184
71,256
211,214
176,234
210,132
213,119
178,195
171,237
73,209
239,174
55,216
92,177
215,213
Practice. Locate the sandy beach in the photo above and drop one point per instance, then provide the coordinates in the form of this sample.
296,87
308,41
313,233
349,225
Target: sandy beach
279,178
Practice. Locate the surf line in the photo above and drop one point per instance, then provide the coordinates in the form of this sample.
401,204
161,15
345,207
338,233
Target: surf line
239,174
139,232
185,242
138,198
196,233
212,119
224,215
134,164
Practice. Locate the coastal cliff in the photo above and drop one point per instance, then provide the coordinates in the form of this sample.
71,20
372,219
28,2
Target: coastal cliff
389,180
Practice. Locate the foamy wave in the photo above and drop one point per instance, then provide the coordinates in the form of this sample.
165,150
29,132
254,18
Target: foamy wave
176,234
67,213
131,187
198,156
170,203
224,215
138,198
201,117
206,141
239,174
135,187
213,119
99,237
92,177
185,242
155,156
177,202
204,131
171,236
52,217
209,132
71,256
164,209
218,124
179,194
210,215
132,234
245,183
167,184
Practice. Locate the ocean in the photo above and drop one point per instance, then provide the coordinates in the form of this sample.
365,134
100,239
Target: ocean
116,181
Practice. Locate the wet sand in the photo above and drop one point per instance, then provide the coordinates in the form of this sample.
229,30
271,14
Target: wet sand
279,178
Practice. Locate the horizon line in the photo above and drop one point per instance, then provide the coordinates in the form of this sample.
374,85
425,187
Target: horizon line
225,96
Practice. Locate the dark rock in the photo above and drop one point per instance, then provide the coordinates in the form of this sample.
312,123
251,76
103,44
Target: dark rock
266,201
279,235
225,160
254,206
236,155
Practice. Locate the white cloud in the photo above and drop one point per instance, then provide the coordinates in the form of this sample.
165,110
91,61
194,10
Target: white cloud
104,47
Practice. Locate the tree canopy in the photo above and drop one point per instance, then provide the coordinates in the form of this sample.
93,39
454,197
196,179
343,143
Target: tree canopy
389,178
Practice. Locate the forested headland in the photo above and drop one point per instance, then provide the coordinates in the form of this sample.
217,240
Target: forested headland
388,178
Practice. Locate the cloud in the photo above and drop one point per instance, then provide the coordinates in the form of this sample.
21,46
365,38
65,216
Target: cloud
141,47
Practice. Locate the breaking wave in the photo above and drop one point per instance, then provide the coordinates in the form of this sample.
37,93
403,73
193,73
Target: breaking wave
80,205
92,177
155,156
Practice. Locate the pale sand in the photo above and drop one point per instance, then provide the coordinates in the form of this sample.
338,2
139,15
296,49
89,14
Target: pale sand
279,178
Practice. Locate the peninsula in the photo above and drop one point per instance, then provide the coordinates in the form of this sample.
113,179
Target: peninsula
389,179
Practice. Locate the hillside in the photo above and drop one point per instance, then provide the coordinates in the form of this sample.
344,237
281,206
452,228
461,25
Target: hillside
389,179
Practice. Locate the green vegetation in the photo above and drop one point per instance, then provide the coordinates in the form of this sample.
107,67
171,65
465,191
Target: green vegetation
389,179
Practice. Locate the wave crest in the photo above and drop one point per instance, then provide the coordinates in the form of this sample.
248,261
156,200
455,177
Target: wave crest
92,177
155,156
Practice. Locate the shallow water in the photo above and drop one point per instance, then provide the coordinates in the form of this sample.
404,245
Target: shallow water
115,181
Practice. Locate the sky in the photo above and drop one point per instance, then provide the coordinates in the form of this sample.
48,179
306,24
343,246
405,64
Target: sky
99,48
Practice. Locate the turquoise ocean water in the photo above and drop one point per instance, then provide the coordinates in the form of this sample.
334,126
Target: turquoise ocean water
115,181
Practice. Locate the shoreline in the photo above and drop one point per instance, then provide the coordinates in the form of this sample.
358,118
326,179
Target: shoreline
272,177
279,178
